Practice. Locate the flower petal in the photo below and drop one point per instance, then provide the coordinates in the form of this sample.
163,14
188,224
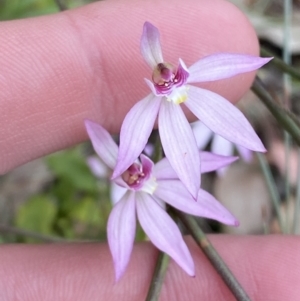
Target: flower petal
223,118
135,131
116,192
164,170
245,153
150,45
97,167
149,149
174,193
223,65
147,165
163,232
179,145
202,134
209,162
103,144
121,232
152,87
214,209
221,146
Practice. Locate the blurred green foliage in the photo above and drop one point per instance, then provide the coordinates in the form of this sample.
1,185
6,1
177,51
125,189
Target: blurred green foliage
75,205
17,9
37,214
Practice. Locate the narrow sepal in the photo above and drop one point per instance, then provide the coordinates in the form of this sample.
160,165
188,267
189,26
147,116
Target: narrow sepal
223,118
179,145
224,65
121,232
174,193
163,232
135,131
103,144
150,45
209,162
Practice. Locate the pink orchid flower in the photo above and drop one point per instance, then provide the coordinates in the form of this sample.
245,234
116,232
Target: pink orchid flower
219,145
171,87
148,187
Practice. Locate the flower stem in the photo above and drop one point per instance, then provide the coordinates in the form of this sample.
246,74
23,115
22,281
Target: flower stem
281,64
213,256
158,276
289,122
272,188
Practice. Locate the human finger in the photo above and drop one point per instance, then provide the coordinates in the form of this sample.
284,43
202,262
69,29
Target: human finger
85,63
266,266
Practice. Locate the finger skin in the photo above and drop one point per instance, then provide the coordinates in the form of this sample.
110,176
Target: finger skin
268,267
85,63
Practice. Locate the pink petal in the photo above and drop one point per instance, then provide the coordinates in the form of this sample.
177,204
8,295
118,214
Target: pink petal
116,192
179,145
103,144
163,232
209,162
214,209
135,131
174,193
245,153
121,232
152,87
202,134
150,45
149,149
97,167
147,165
221,146
164,170
224,65
223,118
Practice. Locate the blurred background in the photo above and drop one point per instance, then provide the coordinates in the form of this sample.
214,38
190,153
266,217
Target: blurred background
59,198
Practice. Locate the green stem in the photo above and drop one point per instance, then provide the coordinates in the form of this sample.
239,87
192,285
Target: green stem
272,187
280,64
289,123
158,277
213,256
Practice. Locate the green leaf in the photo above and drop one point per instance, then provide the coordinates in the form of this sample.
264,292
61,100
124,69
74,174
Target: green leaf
71,165
37,215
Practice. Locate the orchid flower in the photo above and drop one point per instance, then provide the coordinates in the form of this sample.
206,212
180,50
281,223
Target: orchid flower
171,87
219,145
148,187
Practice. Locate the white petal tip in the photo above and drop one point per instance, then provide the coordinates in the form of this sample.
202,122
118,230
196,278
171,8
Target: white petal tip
191,272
